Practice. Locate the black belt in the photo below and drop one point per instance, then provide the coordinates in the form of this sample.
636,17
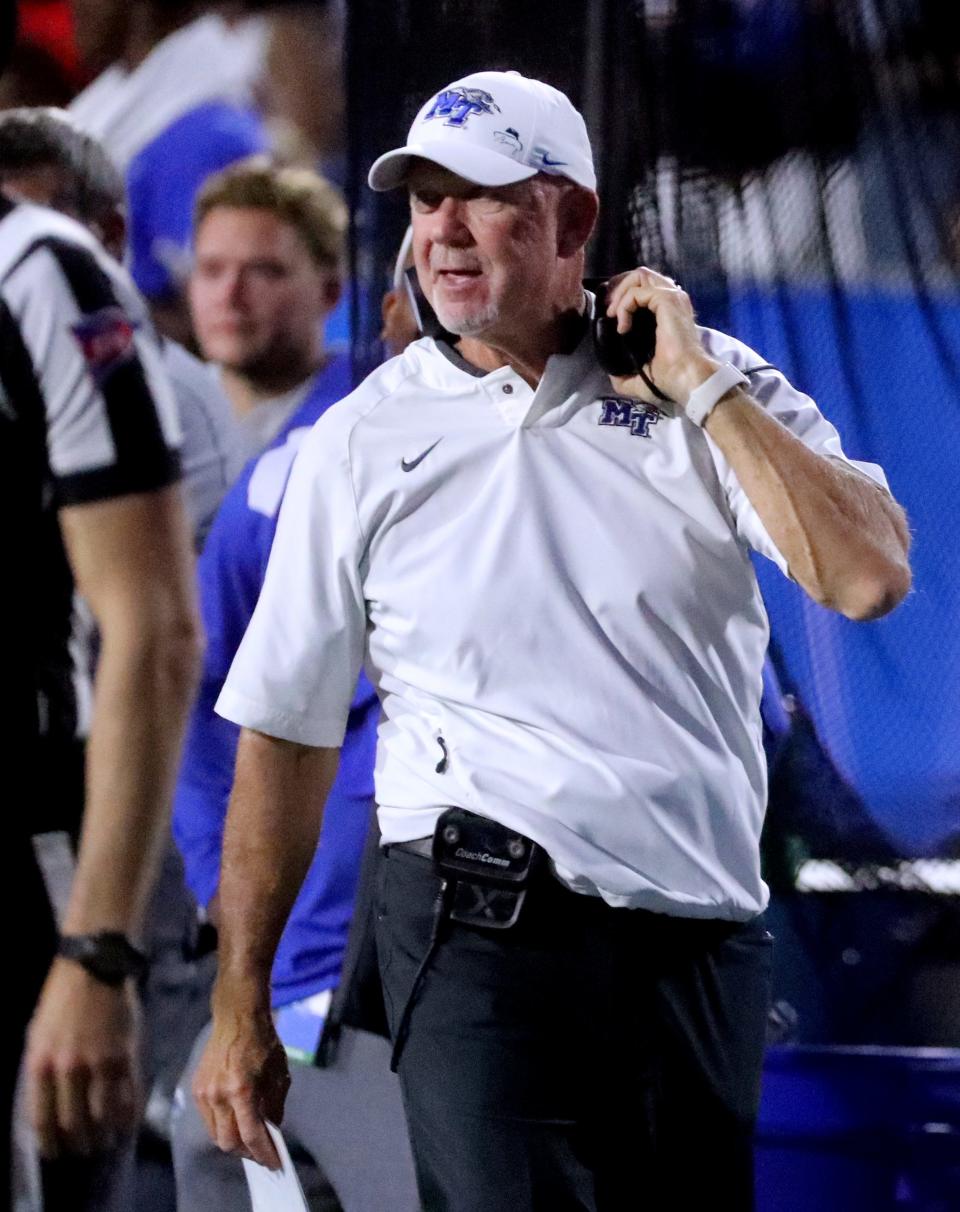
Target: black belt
418,845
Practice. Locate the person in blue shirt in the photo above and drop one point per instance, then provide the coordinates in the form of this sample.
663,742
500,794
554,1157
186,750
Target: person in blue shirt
269,247
230,572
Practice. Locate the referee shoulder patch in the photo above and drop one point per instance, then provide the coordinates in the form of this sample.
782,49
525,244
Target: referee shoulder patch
106,340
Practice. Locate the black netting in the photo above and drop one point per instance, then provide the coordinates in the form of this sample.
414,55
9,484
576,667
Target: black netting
796,165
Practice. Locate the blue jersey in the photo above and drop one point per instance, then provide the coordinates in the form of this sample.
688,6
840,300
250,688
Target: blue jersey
163,179
231,570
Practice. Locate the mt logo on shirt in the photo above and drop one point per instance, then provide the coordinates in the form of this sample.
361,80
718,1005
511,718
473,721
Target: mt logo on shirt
629,414
105,338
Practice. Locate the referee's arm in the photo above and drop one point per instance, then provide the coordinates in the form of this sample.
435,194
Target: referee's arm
82,1057
113,472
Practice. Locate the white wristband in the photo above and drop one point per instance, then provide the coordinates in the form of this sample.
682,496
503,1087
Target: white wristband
703,399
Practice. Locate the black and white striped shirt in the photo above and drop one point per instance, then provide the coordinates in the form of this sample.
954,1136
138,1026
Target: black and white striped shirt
86,414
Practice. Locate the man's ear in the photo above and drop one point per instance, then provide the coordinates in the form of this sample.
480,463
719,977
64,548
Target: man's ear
576,217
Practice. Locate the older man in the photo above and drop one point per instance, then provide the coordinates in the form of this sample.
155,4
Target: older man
547,571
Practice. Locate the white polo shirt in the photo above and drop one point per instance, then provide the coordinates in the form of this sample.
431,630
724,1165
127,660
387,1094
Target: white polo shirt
556,585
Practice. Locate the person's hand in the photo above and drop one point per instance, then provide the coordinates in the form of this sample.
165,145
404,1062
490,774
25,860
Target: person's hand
242,1080
82,1066
680,363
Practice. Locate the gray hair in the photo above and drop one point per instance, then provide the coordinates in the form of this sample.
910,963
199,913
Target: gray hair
42,136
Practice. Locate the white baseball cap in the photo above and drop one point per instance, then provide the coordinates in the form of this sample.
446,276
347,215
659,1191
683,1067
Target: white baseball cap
494,128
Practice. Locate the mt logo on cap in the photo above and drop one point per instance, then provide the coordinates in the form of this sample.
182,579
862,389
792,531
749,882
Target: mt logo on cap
457,104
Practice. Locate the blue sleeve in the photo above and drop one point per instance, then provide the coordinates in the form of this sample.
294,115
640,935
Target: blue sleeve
202,793
163,181
230,572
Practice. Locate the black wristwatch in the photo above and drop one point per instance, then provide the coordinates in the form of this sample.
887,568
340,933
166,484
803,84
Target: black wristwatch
108,955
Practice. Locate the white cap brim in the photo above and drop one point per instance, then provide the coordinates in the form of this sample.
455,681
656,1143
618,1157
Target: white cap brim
475,164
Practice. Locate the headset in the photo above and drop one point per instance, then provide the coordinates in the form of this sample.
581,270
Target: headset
623,355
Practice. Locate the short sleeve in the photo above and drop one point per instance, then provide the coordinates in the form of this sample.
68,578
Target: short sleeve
296,669
798,413
111,419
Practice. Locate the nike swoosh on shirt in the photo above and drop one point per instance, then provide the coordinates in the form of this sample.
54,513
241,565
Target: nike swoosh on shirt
419,459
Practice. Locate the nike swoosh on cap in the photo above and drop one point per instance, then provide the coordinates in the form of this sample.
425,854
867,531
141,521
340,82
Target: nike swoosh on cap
409,466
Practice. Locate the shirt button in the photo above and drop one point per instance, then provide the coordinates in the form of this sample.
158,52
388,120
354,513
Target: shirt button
508,389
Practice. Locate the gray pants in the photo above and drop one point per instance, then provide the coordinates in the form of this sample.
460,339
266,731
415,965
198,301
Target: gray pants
344,1124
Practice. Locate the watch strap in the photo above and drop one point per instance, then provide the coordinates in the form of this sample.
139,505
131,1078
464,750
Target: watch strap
107,955
704,399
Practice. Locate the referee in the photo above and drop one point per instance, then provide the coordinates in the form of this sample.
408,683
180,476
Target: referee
88,484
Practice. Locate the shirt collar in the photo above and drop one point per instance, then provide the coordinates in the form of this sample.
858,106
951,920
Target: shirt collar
569,379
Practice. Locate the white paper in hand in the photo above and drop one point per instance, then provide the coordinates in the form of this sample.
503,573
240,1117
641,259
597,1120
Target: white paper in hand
275,1190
